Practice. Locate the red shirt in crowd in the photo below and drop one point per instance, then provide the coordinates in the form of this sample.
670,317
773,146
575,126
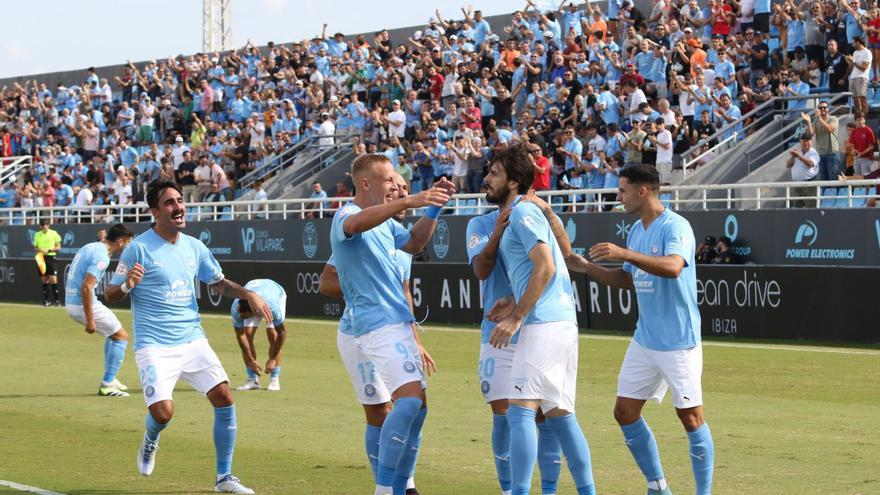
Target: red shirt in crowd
542,179
862,139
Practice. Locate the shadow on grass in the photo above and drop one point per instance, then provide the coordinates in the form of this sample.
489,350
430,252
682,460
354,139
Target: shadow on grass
134,392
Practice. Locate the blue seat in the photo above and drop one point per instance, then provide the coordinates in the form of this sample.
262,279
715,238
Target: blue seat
858,202
829,198
666,199
471,207
226,215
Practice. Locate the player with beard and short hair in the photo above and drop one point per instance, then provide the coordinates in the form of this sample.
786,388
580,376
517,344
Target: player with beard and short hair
158,269
368,389
483,239
543,371
665,352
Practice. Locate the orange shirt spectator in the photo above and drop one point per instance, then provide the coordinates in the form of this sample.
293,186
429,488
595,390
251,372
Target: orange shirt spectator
698,56
509,56
595,26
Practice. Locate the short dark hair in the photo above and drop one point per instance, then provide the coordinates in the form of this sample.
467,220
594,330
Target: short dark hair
518,165
244,306
642,175
119,231
155,190
45,221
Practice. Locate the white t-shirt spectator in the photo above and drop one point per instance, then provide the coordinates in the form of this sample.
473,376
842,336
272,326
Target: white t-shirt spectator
397,130
460,167
804,171
636,99
860,56
261,199
177,154
147,113
664,155
121,191
327,128
84,198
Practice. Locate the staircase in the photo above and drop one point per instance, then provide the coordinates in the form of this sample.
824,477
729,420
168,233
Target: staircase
12,167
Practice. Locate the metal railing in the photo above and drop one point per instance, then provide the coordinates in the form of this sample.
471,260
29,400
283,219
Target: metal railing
10,167
824,194
760,116
286,157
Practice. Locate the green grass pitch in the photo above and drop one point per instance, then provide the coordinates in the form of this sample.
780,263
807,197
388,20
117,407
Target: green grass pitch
787,419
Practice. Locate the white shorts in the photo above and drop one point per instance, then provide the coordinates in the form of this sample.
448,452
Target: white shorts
254,321
368,388
106,323
392,349
646,374
495,366
194,362
545,365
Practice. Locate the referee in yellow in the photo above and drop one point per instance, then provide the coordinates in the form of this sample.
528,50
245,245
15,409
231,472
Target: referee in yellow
47,242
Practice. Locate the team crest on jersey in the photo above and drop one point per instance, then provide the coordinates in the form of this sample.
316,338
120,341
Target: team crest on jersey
474,241
409,367
102,265
369,390
149,391
191,263
346,210
121,269
655,249
485,387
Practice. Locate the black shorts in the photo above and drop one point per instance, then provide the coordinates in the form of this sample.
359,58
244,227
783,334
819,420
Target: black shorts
51,266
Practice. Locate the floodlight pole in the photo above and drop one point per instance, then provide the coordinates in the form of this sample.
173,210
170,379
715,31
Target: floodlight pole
216,25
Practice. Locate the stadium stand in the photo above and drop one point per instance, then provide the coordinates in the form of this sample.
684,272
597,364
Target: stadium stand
711,95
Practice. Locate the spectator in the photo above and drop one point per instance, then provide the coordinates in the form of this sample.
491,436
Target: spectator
202,177
322,206
706,251
261,198
723,252
862,139
827,142
185,178
860,68
804,165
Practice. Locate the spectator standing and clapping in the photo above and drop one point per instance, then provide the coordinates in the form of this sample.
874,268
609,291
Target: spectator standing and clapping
804,165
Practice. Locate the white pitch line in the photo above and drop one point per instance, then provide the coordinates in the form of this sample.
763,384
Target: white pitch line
26,488
766,347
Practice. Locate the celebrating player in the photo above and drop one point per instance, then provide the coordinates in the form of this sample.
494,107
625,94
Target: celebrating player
665,352
83,306
158,269
47,243
246,322
544,367
364,237
483,238
370,391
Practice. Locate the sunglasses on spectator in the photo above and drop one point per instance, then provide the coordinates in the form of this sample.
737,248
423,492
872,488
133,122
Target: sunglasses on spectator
823,107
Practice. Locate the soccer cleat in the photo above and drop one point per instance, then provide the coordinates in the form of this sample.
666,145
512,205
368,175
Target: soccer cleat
252,384
46,304
111,392
57,303
231,484
412,491
274,385
665,491
146,460
118,385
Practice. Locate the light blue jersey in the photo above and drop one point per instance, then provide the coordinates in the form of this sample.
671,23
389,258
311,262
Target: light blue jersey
496,285
91,259
369,273
669,318
163,305
272,293
526,229
404,263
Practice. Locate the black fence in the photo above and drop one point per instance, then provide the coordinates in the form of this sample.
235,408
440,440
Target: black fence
779,302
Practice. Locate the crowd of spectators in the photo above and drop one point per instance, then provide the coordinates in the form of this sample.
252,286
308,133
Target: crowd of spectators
596,89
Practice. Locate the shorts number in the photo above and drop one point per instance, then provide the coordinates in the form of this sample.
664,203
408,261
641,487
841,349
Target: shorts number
367,370
148,375
402,349
487,367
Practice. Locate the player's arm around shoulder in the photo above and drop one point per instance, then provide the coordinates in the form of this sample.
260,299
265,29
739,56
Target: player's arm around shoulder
483,250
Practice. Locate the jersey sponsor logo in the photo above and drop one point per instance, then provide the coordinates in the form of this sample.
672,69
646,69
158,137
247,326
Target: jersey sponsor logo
179,292
310,239
121,269
191,263
441,239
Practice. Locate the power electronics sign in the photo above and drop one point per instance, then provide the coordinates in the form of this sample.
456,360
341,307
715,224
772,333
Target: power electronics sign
206,237
257,241
808,243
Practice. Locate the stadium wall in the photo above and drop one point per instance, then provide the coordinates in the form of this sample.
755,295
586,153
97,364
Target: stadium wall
744,301
838,237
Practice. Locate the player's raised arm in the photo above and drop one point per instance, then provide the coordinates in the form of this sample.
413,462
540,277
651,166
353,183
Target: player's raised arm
133,277
484,262
328,284
434,198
